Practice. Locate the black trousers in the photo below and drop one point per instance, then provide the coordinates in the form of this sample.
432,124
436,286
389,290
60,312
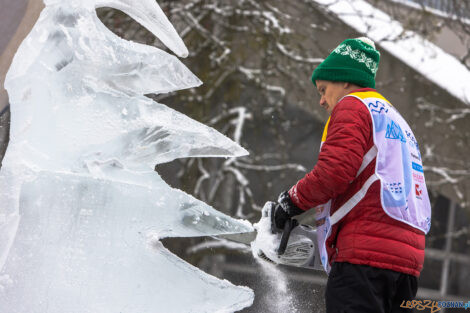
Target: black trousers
355,288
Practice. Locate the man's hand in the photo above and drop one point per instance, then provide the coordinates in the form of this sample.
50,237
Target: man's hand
284,210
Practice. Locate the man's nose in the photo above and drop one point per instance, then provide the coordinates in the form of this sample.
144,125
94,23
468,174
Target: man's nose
322,101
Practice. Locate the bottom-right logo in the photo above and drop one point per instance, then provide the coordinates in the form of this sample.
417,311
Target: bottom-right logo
418,191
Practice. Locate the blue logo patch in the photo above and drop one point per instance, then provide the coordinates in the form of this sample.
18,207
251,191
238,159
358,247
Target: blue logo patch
395,187
378,107
413,142
394,132
417,167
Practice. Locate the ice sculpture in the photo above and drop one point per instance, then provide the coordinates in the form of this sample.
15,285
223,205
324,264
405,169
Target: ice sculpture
81,209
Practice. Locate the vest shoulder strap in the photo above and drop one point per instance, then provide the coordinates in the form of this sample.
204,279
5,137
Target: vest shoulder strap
362,95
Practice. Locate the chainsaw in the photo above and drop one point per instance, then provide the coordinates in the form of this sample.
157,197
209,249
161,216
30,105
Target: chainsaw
295,245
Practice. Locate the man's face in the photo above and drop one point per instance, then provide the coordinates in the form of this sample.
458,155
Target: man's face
331,93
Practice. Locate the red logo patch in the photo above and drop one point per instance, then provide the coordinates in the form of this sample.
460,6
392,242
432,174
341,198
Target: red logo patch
418,191
418,177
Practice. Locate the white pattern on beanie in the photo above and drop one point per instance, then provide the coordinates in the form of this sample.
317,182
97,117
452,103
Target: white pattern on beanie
358,56
367,40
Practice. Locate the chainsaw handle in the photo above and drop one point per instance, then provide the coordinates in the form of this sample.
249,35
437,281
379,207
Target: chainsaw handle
290,224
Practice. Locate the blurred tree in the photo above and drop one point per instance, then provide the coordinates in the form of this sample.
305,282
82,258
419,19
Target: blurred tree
444,22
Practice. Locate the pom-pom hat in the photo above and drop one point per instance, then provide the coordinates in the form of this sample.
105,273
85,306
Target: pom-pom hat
354,60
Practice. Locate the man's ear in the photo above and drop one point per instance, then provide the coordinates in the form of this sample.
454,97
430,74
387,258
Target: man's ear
346,85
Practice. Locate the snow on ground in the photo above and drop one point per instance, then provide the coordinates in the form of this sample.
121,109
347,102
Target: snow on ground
425,57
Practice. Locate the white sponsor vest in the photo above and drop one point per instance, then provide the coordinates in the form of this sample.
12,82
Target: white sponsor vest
403,192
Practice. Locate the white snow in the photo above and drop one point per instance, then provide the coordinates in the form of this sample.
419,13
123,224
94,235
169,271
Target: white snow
280,298
81,208
284,50
419,53
265,242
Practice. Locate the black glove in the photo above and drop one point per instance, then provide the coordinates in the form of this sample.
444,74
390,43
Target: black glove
284,210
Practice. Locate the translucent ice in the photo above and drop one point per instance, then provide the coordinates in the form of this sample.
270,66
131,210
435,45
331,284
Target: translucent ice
81,209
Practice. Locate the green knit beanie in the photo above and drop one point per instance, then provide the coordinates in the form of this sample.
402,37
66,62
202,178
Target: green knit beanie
354,61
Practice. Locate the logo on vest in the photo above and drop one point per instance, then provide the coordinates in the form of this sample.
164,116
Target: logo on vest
378,107
417,167
413,143
395,187
417,157
418,191
418,178
394,132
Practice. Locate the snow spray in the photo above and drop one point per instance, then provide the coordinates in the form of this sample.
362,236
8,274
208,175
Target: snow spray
279,299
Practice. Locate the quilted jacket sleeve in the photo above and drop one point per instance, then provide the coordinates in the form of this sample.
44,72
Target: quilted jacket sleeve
349,135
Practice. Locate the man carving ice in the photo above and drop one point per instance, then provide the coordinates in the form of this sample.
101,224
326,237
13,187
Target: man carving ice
368,189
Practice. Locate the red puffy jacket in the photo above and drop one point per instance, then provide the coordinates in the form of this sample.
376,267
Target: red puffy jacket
366,235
